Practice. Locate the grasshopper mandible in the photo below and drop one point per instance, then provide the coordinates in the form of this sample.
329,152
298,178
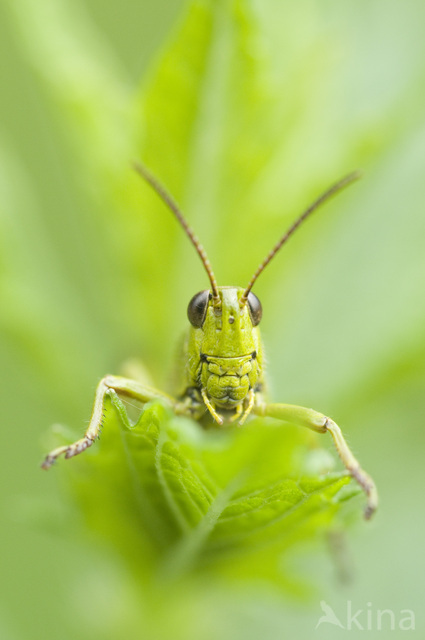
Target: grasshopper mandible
224,370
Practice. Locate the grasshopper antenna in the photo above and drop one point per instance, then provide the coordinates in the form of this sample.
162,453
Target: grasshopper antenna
333,190
171,204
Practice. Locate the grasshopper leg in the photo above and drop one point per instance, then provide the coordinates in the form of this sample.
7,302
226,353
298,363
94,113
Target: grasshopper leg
311,419
109,385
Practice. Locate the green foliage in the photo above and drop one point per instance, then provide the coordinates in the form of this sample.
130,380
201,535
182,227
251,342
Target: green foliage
249,112
176,499
169,495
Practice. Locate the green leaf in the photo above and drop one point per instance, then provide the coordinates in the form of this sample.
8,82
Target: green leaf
177,499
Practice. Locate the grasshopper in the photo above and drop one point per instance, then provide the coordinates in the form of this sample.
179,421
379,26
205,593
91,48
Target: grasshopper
224,362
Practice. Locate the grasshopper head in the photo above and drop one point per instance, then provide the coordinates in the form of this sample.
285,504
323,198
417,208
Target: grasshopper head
225,326
227,309
224,346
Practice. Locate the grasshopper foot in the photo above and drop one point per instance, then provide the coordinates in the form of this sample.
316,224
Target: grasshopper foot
68,451
368,486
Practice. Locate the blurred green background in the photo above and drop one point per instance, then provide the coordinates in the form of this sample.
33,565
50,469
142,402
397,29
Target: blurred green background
94,271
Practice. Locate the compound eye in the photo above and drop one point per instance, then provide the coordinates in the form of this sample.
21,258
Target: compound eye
197,309
255,309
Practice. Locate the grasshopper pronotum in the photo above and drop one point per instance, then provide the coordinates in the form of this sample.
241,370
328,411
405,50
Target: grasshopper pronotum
224,368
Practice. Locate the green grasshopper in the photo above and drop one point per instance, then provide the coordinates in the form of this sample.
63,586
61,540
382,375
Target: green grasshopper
224,362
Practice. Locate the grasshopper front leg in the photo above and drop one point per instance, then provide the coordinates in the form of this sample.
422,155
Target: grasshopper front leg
108,385
311,419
